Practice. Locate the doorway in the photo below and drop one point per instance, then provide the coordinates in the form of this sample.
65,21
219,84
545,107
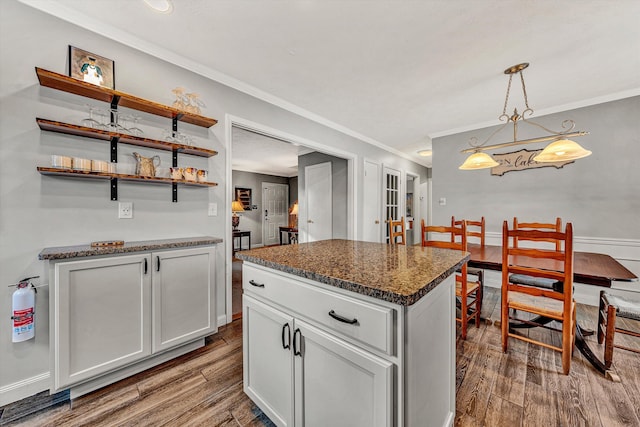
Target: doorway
304,147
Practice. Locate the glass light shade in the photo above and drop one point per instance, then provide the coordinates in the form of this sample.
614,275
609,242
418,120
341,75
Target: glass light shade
236,206
162,6
478,161
563,150
425,153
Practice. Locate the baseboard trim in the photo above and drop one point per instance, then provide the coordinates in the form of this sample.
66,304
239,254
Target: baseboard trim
25,388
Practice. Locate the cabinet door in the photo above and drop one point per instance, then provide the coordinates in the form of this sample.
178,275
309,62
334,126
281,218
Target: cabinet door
101,316
268,359
184,306
338,384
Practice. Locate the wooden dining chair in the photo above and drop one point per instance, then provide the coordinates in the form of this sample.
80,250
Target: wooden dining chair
557,226
613,307
468,293
394,233
556,265
475,234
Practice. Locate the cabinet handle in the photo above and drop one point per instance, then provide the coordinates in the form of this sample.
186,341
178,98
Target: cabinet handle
297,344
343,319
288,328
146,267
256,284
158,263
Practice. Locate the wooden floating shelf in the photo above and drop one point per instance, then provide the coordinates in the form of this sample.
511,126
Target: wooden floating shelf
123,99
123,138
125,177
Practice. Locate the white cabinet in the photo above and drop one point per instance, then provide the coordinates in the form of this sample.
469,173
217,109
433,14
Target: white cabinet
300,374
112,312
268,359
332,377
183,296
316,355
101,316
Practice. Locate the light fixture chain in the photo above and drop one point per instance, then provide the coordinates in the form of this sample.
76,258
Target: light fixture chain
524,91
506,98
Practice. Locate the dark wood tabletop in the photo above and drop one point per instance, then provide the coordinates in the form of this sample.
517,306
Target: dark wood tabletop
589,268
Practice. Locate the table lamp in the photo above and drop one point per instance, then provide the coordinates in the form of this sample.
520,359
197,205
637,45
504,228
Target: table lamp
293,222
236,207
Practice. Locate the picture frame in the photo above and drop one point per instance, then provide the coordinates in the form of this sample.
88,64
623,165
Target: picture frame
243,195
91,68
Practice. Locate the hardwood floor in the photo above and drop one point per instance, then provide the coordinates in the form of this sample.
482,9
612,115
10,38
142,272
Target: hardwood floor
523,387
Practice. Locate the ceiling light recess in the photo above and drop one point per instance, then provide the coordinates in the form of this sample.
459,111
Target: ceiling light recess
562,149
425,153
162,6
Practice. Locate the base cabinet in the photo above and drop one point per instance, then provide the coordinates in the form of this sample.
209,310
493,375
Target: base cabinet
183,297
112,312
315,355
101,316
304,376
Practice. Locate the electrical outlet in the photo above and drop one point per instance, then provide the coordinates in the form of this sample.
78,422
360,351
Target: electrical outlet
442,201
213,209
125,210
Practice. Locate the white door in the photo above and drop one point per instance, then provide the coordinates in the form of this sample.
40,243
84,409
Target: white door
338,384
268,359
183,296
275,211
392,199
318,195
371,208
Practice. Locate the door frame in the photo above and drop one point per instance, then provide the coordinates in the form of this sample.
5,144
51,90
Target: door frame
352,194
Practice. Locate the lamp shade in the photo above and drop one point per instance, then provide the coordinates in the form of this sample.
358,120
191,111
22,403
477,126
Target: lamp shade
562,150
236,206
294,209
478,161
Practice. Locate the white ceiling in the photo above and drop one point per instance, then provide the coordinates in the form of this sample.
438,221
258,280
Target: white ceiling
394,73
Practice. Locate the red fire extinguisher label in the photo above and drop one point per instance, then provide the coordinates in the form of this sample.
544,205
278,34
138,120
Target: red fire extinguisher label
23,319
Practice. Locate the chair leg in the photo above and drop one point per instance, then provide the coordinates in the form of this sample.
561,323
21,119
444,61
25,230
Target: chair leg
608,339
601,318
479,294
567,341
463,313
504,318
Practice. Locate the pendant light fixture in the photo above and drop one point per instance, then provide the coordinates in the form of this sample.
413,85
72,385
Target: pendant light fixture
562,149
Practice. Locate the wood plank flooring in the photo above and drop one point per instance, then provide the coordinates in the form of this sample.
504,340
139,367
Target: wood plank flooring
523,387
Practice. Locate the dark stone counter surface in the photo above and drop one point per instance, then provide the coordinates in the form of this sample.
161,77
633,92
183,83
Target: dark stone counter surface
64,252
395,273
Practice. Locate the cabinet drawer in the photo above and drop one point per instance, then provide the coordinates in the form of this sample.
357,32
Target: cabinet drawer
367,323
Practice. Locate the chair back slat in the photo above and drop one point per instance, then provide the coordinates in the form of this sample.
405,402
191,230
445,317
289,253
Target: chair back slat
394,233
475,229
557,226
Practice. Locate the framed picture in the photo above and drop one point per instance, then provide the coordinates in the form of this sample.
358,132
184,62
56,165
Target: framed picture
244,196
91,68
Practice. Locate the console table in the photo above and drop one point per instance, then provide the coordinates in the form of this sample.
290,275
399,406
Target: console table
240,234
292,234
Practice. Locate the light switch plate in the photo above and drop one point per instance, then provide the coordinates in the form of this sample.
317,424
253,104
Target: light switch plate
213,209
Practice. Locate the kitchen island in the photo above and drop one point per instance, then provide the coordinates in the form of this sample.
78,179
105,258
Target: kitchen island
348,333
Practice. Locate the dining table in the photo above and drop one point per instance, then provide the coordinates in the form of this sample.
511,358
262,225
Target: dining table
588,268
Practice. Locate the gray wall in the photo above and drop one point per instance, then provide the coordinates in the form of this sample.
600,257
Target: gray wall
338,187
600,194
38,211
252,220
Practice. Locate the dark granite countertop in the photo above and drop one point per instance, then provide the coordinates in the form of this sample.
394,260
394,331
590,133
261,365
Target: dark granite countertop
64,252
395,273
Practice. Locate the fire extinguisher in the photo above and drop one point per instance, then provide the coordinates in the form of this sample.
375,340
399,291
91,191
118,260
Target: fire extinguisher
23,310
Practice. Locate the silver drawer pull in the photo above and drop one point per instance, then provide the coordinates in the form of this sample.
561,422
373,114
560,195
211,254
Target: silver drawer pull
343,319
256,284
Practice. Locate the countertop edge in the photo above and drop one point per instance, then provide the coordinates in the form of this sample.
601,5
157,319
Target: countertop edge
81,251
358,288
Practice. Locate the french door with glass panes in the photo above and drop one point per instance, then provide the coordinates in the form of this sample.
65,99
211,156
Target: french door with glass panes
392,199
